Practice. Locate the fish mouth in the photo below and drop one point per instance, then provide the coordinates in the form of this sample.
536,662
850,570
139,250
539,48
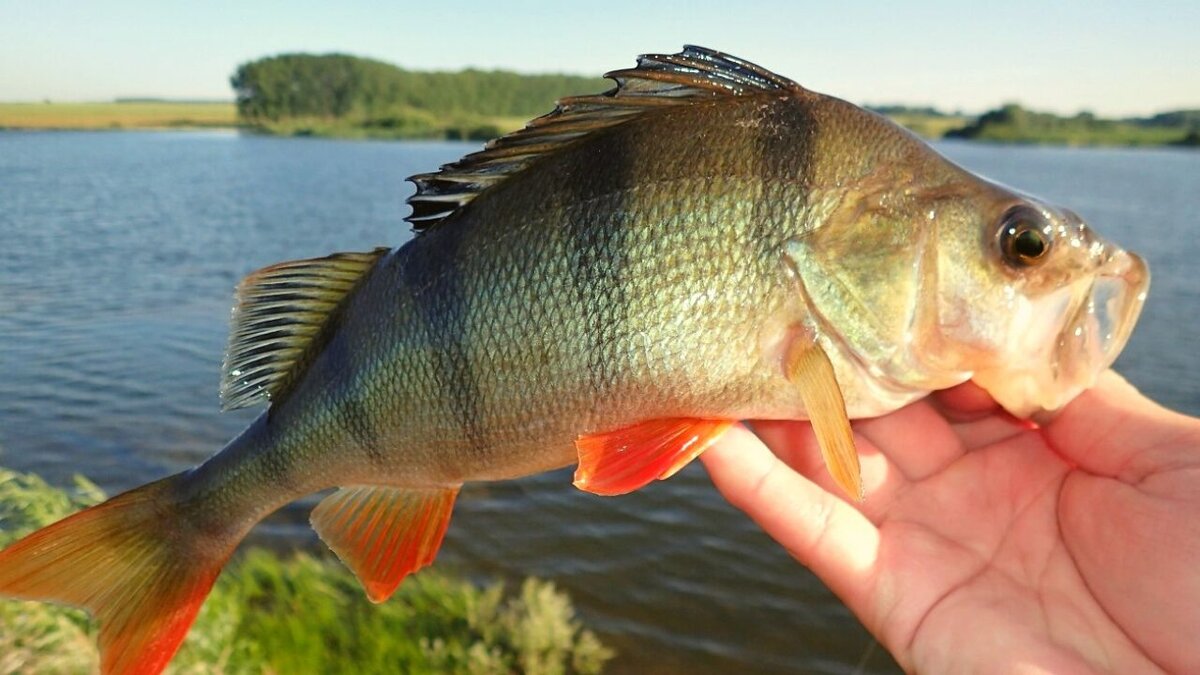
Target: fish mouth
1096,330
1101,325
1081,331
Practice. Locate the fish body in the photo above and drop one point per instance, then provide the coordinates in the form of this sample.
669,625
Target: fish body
614,286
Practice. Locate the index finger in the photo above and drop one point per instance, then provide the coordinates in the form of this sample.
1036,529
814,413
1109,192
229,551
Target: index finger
824,533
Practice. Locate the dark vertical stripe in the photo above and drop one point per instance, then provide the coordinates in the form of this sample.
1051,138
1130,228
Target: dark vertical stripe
432,276
598,246
362,428
786,149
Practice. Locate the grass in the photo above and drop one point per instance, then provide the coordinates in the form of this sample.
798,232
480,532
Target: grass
134,115
1015,124
303,614
401,123
929,126
1118,134
1009,125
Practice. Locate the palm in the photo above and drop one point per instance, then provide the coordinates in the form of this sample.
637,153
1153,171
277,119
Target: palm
982,546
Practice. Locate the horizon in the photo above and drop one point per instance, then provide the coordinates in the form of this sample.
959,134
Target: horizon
1112,59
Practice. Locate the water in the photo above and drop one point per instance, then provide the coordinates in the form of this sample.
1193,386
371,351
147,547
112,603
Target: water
120,252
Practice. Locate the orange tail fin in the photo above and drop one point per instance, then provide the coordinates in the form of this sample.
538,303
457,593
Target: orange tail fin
134,562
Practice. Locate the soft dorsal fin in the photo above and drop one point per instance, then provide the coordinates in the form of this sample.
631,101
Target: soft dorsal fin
279,321
659,80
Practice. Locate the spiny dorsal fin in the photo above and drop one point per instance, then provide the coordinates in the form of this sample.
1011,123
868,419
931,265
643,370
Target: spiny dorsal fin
659,80
278,321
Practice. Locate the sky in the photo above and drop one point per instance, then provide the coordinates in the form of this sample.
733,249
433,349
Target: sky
1112,58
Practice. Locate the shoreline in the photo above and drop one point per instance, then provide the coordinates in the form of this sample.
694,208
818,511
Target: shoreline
358,135
156,116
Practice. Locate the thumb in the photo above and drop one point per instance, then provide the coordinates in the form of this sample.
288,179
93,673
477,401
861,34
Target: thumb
1113,430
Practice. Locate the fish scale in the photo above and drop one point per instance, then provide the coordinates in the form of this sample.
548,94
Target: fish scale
614,286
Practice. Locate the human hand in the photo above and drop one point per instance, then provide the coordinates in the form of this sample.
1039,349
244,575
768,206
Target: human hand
985,545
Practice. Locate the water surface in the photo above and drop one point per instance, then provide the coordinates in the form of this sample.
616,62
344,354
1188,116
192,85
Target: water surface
120,253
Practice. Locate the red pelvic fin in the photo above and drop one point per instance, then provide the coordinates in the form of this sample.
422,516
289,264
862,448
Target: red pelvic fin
622,461
383,534
132,564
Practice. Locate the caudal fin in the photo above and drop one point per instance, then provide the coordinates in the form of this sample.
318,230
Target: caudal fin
134,562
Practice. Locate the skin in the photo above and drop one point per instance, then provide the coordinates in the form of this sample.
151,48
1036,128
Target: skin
987,545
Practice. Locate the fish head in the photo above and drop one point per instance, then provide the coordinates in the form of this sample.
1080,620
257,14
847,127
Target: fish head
1035,303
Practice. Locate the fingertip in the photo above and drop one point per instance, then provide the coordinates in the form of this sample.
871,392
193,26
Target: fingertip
1109,428
736,461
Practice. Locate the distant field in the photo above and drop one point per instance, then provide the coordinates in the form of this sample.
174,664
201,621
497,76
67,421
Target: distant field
1112,134
1008,125
167,115
139,115
929,126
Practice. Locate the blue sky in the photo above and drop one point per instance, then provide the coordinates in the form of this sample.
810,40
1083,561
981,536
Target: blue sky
1115,58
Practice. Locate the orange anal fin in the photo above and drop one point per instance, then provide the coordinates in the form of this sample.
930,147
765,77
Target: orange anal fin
131,561
622,461
383,534
808,366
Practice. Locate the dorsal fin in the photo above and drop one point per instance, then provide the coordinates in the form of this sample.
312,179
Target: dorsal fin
659,80
279,319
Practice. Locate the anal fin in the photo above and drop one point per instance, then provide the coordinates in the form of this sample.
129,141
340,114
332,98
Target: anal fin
622,461
383,534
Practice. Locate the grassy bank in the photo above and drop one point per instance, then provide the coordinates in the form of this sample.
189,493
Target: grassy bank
302,614
926,125
1015,124
401,124
1010,124
133,115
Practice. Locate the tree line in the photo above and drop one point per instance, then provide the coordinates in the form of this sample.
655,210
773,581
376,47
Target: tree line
1014,123
371,93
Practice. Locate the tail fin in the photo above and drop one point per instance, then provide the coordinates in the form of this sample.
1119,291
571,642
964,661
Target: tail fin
134,562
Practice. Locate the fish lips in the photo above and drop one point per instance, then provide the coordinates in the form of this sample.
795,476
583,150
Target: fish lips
1099,327
1095,317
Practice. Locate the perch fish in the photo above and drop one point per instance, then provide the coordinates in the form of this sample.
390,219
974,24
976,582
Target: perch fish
612,286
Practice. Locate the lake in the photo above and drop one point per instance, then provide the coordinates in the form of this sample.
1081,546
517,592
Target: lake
119,258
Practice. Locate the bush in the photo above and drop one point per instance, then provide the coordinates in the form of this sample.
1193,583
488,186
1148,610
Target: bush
304,614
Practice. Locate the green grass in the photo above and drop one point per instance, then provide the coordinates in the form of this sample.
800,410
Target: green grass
1007,125
401,123
303,614
928,126
1015,124
134,115
1117,135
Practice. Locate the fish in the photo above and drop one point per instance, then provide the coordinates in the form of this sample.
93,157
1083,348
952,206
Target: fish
612,286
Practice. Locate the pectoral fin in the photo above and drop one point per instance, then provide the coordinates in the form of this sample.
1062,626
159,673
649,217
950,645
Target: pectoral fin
384,534
622,461
808,366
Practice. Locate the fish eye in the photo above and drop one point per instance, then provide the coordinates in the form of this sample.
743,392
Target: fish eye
1023,238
